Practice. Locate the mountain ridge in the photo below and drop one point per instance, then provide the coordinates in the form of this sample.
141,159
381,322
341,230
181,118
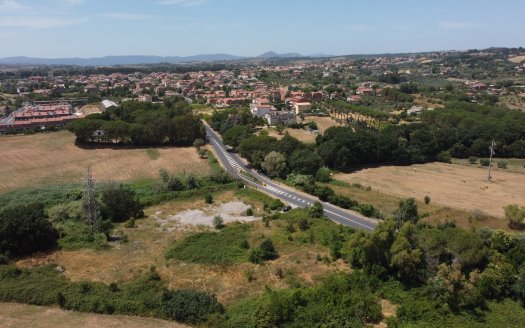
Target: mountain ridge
136,59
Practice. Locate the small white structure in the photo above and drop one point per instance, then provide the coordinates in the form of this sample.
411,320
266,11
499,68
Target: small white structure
106,104
415,110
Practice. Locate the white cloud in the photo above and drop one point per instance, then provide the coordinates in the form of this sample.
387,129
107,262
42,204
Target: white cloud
185,3
38,22
12,6
127,16
449,25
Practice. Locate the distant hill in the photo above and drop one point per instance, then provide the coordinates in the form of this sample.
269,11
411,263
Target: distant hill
273,54
116,60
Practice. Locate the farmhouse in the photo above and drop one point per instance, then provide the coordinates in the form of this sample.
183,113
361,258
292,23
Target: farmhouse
38,116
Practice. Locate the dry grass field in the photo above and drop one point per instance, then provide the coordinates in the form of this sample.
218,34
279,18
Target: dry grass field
323,123
149,241
456,186
517,59
14,315
53,158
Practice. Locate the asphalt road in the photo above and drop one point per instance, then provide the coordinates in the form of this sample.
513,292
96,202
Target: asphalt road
238,168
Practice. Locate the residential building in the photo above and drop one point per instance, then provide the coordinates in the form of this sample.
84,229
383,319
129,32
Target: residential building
280,117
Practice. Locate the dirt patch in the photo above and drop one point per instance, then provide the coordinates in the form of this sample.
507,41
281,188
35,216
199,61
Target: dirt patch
21,316
451,185
53,158
230,212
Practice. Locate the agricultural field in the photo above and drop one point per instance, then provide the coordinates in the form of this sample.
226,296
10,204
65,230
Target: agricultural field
455,186
21,315
53,158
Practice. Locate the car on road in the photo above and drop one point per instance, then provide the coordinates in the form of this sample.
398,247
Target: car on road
287,208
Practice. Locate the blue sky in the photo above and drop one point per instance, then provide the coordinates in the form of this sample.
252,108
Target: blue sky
92,28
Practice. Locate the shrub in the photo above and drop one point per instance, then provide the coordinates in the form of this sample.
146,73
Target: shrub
304,224
316,210
65,211
515,215
444,157
268,251
502,164
249,212
120,203
218,222
208,199
484,162
189,306
427,199
472,159
323,174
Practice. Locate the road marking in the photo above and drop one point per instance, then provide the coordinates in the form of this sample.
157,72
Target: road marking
345,218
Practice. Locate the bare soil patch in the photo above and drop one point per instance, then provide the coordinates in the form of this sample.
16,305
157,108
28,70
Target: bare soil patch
53,158
21,316
456,186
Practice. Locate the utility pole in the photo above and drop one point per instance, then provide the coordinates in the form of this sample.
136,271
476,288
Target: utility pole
91,204
492,153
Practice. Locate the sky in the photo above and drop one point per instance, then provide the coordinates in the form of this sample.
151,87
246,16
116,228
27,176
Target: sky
94,28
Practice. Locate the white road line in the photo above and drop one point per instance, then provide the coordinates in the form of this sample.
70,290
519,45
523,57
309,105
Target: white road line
345,218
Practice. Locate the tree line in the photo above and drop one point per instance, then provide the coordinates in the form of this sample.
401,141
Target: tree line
141,124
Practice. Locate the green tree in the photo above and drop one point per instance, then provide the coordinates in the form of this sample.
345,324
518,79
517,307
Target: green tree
274,164
406,257
120,203
305,161
406,211
24,230
235,135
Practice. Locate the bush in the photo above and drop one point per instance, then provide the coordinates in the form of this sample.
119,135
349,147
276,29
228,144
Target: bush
120,203
218,222
208,199
473,160
323,175
65,211
25,230
249,212
515,215
484,162
265,251
316,210
427,199
444,157
189,306
502,164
